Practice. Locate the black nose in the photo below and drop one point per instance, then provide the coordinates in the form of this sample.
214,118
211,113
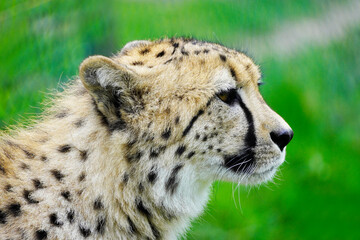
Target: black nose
282,138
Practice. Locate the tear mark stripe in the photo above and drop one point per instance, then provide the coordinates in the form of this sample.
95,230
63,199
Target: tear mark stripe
250,138
245,159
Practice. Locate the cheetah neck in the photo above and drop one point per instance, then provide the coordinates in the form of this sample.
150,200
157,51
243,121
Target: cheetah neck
145,197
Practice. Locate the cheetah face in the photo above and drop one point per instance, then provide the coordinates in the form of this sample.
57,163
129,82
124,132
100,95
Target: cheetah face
242,138
190,103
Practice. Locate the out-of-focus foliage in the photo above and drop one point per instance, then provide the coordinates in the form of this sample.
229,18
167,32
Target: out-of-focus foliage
316,89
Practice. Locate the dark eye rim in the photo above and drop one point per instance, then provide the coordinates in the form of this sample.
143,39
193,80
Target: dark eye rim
231,96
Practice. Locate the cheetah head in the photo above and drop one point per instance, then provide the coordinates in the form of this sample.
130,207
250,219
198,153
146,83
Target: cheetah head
190,105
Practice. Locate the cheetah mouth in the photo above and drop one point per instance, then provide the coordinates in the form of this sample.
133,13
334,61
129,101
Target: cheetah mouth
243,162
268,167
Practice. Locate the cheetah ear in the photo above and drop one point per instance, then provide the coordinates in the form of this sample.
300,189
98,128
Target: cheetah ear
110,84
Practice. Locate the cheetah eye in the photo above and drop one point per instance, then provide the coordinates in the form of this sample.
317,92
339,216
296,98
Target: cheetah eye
228,96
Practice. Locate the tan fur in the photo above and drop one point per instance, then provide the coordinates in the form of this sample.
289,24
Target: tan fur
97,149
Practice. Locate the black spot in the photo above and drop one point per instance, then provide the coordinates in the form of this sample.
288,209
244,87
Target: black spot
134,157
40,235
57,174
168,61
79,123
233,74
2,169
28,197
85,232
177,120
70,216
100,226
81,177
98,204
3,216
154,152
43,158
137,63
14,209
61,114
183,52
8,188
64,148
197,52
125,178
223,58
55,221
144,51
218,150
175,45
197,136
132,227
172,183
152,176
28,154
24,166
206,51
154,230
66,195
141,208
160,54
38,184
83,155
141,187
205,138
193,120
191,154
180,150
166,134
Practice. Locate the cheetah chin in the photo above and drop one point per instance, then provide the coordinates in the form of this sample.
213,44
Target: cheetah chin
130,148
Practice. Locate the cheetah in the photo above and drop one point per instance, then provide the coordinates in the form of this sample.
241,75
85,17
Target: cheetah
131,147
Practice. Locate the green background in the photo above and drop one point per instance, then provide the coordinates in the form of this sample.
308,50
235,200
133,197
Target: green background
316,194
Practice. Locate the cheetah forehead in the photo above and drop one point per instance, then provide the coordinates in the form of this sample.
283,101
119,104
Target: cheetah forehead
187,63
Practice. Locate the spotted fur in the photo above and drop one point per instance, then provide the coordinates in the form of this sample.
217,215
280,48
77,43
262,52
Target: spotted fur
130,148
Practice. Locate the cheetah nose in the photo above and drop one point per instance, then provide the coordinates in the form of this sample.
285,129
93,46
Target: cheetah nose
282,137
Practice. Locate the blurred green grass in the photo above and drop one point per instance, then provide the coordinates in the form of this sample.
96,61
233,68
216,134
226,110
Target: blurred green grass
316,90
